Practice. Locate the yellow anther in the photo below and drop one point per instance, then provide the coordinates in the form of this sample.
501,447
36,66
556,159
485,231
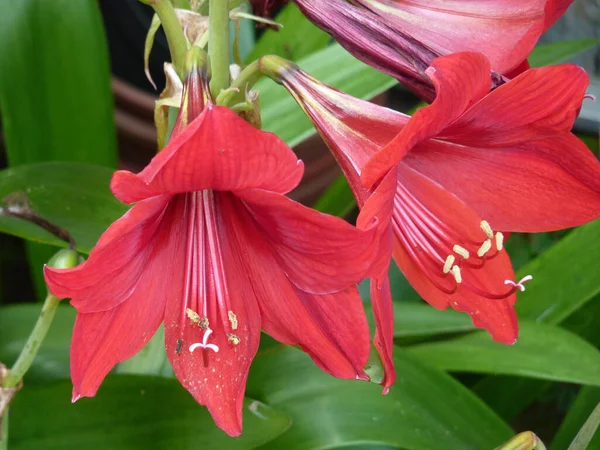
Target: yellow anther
233,320
448,264
461,251
499,241
457,275
234,339
487,229
204,323
485,247
193,316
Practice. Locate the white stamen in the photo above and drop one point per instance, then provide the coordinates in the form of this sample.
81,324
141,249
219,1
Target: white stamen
448,264
457,275
485,247
487,229
519,285
204,344
499,241
461,251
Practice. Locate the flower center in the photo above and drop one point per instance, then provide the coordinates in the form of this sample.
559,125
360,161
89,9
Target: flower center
443,253
206,299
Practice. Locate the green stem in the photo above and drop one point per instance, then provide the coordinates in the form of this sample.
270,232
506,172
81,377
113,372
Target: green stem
218,45
174,32
18,370
181,4
4,430
245,80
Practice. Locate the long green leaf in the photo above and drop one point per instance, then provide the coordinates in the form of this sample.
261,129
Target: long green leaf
585,403
558,52
297,38
542,351
417,320
55,97
560,282
425,409
74,196
130,412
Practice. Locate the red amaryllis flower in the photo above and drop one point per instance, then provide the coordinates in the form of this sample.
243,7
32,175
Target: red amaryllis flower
214,249
472,163
402,38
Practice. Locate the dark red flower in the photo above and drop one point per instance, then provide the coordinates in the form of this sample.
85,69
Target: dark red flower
402,38
214,249
471,165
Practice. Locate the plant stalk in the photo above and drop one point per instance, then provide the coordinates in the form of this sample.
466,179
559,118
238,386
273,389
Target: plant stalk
23,363
218,45
174,32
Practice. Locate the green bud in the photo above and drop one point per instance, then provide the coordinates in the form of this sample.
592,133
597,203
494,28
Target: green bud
523,441
65,259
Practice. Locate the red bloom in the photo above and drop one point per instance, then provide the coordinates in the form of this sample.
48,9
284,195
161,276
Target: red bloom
214,249
402,38
471,163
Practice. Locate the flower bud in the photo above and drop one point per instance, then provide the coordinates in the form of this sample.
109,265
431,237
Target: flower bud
523,441
65,258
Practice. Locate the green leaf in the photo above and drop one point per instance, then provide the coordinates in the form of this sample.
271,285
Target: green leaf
586,403
585,435
55,92
542,351
561,284
337,200
558,52
130,412
425,409
333,66
412,320
74,196
52,360
55,97
297,39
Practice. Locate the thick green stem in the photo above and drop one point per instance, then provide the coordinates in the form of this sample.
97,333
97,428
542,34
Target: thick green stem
18,370
173,30
245,80
218,45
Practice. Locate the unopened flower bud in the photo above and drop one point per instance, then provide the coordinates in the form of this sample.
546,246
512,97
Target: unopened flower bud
523,441
65,259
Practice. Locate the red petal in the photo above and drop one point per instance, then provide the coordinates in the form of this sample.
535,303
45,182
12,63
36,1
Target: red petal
459,80
497,316
131,247
332,328
539,186
379,206
504,30
216,379
554,10
537,104
219,151
319,253
102,339
383,311
353,129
